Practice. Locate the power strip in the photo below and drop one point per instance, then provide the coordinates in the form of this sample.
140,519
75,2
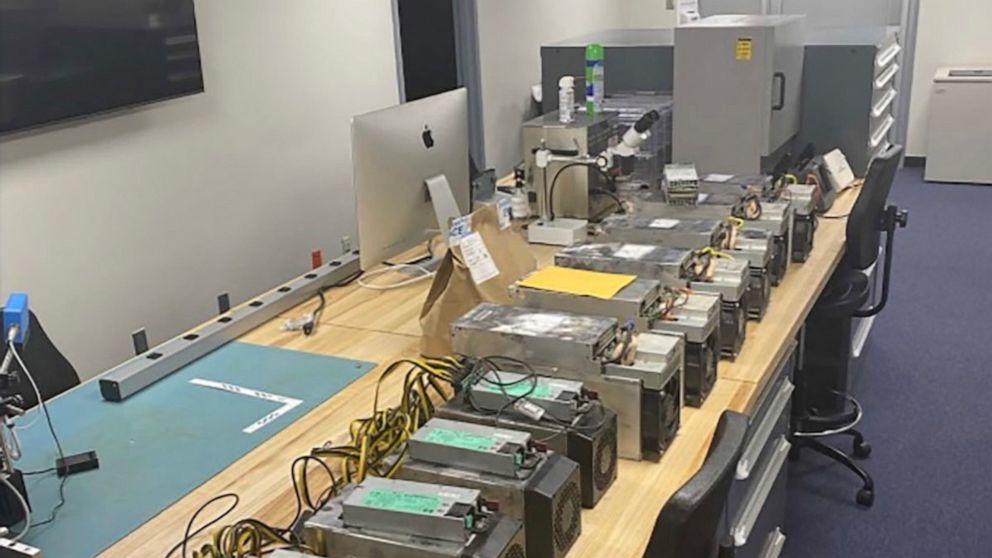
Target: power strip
11,549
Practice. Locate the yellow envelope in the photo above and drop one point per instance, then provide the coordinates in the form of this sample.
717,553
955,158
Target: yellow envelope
578,282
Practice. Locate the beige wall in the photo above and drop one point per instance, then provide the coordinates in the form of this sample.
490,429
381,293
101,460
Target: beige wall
510,35
951,32
141,219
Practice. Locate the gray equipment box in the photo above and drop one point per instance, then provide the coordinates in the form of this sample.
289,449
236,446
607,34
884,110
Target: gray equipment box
695,234
589,440
559,398
413,530
575,194
547,498
645,392
776,218
697,317
635,60
738,80
670,266
470,446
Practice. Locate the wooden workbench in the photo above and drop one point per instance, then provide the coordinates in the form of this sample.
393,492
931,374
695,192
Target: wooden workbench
382,326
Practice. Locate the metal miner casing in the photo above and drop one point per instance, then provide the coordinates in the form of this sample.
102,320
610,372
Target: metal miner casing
645,261
756,244
590,441
775,217
638,301
539,337
672,233
411,508
557,396
548,501
469,446
803,197
326,533
730,281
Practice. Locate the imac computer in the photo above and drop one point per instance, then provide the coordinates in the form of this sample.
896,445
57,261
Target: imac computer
411,172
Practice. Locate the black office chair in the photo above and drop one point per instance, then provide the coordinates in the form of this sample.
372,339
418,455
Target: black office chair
822,405
689,524
53,373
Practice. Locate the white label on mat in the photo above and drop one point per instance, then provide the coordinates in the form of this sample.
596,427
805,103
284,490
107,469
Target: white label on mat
478,259
719,178
288,403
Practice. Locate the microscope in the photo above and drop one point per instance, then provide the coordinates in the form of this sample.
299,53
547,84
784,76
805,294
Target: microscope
613,160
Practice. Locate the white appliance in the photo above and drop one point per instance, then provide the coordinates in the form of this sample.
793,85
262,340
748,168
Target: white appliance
960,131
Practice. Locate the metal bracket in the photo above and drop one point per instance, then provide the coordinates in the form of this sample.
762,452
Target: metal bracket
126,379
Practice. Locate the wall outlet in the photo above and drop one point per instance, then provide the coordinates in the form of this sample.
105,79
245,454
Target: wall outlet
346,245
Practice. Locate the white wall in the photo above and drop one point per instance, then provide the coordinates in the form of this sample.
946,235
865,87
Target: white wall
951,32
142,219
649,14
511,33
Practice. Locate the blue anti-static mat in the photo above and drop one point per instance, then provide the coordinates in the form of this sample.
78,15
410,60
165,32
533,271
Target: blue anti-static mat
160,444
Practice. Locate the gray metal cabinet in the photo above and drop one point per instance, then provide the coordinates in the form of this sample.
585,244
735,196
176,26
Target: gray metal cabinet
758,497
636,60
737,91
850,91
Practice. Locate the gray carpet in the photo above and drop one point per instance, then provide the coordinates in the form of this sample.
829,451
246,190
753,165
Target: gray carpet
926,386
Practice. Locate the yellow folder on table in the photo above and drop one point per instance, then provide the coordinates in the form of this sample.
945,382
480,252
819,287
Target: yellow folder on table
578,281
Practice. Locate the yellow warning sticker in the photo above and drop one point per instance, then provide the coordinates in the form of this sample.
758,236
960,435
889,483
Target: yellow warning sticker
744,49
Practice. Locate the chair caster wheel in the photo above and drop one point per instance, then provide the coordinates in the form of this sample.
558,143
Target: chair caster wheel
862,450
866,497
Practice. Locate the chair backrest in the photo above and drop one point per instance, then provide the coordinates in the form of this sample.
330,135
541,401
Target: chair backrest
864,224
688,526
53,373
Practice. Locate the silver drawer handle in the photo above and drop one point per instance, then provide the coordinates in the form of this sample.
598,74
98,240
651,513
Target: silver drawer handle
886,76
759,494
883,105
763,431
882,131
774,544
888,55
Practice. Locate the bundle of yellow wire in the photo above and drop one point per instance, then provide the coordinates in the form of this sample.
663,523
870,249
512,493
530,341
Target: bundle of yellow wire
376,447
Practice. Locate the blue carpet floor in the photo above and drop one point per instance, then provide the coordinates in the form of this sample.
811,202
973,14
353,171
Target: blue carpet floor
926,387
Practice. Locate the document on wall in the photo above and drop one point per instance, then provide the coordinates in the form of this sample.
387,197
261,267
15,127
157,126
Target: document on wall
478,259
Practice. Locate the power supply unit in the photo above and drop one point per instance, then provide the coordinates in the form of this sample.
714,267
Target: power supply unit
589,439
385,518
677,268
544,491
638,376
652,307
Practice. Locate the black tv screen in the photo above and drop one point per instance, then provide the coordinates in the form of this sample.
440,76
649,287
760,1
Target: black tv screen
66,59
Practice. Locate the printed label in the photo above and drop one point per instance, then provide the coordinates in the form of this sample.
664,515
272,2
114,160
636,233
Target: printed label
403,502
503,206
464,440
664,223
460,228
633,251
718,178
478,259
744,50
702,198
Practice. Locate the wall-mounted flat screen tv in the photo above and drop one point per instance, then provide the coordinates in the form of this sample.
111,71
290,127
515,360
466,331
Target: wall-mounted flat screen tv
67,59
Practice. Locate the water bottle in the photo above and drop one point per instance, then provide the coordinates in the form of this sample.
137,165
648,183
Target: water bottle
520,201
566,100
595,72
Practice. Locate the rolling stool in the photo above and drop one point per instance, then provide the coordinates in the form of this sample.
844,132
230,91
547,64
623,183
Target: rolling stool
822,406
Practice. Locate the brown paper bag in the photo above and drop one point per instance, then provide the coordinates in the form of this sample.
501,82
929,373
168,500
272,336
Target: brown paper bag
455,291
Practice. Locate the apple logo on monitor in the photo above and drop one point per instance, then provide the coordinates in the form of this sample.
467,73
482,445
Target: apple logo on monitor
428,137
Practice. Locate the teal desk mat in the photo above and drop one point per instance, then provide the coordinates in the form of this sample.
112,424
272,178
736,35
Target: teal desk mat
165,441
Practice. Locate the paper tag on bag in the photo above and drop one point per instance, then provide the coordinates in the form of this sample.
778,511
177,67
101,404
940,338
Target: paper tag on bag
663,223
503,207
478,259
460,228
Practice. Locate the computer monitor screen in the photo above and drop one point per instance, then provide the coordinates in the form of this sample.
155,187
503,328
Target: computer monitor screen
394,153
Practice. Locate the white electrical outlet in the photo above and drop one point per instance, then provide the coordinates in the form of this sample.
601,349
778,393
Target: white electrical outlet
346,244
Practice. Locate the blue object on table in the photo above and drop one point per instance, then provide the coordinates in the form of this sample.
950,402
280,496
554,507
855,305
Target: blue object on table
164,442
15,313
